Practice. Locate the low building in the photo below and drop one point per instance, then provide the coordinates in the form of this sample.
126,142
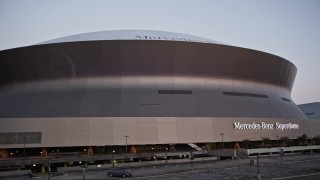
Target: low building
311,110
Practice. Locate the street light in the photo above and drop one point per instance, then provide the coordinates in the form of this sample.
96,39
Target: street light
113,158
126,136
83,170
166,155
222,140
191,156
281,152
49,169
24,147
258,166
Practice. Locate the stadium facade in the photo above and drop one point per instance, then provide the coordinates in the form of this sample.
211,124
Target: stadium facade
144,88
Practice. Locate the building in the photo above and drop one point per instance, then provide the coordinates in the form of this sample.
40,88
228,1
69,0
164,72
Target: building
142,88
311,110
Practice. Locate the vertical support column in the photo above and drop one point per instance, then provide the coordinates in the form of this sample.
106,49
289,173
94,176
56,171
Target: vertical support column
208,146
90,151
236,145
44,152
43,168
172,147
133,149
4,153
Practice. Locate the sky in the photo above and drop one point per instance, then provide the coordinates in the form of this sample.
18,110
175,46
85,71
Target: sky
286,28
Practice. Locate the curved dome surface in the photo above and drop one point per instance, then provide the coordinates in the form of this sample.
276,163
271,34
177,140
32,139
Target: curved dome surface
131,35
156,87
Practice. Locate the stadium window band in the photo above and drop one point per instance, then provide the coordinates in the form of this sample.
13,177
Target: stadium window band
245,94
175,92
285,99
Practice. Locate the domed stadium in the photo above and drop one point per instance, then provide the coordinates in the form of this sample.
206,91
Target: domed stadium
143,90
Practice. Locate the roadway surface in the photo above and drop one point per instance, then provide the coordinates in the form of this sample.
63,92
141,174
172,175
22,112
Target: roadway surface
293,167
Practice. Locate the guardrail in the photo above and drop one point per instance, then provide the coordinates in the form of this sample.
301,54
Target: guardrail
5,174
135,164
245,153
290,149
7,162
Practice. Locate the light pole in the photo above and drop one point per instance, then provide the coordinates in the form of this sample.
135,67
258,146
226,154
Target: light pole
49,169
277,140
222,140
166,155
24,147
83,170
281,152
113,158
258,165
151,154
126,136
191,156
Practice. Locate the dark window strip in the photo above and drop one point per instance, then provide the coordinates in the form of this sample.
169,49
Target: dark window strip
149,104
245,94
183,92
166,91
20,138
308,114
285,99
174,92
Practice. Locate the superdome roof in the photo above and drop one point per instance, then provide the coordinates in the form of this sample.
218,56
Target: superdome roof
131,35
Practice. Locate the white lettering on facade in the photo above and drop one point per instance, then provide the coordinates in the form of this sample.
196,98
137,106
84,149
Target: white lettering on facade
263,125
266,126
169,38
238,125
287,126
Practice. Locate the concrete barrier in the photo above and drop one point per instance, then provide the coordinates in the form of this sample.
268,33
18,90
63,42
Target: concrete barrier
290,149
4,174
135,164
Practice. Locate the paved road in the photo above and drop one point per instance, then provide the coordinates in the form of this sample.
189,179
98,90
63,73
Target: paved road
302,169
292,167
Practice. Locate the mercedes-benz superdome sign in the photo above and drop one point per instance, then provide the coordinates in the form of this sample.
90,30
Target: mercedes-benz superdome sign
171,39
263,125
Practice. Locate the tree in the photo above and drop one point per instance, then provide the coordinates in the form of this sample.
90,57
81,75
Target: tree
285,140
303,139
246,143
316,140
265,141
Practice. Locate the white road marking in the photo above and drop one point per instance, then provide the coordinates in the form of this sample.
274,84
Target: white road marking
290,177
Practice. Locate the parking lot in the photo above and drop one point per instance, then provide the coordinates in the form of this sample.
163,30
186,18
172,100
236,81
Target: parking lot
292,167
305,169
